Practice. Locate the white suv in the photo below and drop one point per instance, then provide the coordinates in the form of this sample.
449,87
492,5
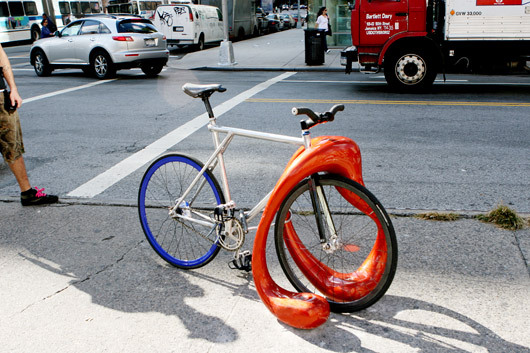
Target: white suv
100,45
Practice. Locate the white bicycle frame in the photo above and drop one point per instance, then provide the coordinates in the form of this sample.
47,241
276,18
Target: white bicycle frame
220,147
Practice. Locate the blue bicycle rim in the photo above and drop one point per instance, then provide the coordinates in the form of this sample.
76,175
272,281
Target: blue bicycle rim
143,218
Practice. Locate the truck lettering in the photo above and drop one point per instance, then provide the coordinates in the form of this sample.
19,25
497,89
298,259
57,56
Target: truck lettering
378,16
376,32
466,13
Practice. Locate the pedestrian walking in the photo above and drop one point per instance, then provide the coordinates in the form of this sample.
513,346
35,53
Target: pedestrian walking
11,144
50,25
323,25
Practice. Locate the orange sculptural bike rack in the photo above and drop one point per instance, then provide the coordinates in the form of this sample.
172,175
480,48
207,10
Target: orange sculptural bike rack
336,155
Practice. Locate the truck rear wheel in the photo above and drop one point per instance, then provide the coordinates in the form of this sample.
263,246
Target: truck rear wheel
409,69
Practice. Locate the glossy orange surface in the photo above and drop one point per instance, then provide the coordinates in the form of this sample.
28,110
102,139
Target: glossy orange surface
332,154
334,285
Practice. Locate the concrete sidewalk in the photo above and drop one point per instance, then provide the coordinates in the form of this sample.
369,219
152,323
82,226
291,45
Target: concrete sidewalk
277,51
82,278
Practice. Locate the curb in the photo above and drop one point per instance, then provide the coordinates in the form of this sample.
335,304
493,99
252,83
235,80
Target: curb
297,69
396,212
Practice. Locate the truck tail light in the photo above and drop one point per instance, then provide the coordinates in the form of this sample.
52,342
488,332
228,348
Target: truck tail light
123,38
191,16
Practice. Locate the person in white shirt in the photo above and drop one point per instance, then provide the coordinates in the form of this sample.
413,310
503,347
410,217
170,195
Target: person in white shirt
323,24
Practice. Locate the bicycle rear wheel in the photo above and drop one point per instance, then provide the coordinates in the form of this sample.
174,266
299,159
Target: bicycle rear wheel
181,242
360,266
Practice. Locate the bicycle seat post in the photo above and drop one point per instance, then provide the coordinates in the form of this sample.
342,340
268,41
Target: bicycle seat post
208,106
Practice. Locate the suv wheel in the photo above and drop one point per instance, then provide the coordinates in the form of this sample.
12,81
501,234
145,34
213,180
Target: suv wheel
40,64
152,70
102,65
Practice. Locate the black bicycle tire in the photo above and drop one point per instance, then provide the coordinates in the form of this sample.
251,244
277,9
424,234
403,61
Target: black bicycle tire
375,205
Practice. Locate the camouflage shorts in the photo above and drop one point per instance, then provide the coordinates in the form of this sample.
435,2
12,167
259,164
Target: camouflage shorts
11,145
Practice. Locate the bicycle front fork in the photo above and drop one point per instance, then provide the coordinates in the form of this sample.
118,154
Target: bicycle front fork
323,216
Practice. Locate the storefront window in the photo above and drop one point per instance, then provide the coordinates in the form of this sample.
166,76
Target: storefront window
340,20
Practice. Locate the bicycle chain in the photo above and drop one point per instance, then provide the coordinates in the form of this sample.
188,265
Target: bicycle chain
221,241
196,231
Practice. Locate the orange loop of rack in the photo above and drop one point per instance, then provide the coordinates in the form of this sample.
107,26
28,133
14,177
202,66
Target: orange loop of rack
331,154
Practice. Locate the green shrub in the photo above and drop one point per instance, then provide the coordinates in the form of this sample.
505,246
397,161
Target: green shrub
503,217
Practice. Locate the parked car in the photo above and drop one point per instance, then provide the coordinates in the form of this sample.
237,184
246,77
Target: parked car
275,22
295,17
288,21
262,21
100,45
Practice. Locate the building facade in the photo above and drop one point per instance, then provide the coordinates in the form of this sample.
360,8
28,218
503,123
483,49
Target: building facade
339,18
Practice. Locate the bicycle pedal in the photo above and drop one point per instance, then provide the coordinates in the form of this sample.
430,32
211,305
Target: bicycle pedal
243,262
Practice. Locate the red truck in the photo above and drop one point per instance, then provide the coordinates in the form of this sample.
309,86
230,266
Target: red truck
414,40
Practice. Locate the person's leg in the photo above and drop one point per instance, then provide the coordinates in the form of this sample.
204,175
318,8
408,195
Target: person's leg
12,148
18,167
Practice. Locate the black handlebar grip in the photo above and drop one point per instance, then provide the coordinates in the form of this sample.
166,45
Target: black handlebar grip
336,108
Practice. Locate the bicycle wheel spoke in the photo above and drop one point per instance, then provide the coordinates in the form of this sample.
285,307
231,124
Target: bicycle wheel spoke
343,268
180,241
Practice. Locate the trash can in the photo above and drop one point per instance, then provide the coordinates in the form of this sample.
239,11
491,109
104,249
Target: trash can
314,47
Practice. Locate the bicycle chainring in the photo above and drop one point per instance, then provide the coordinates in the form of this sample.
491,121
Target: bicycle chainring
234,235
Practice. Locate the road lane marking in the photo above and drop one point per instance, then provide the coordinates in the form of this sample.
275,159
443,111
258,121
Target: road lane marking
390,102
132,163
67,90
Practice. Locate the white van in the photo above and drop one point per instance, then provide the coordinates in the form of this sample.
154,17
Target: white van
189,24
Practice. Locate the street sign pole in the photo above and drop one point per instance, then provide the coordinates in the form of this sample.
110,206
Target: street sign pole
226,50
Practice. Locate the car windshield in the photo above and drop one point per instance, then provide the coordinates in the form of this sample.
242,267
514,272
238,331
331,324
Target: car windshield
72,29
136,26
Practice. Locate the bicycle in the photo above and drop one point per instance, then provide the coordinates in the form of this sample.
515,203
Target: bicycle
334,240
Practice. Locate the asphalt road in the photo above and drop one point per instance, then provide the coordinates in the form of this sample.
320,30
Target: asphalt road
464,147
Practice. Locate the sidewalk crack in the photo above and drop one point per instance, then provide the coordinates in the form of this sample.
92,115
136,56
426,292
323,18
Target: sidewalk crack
519,247
87,278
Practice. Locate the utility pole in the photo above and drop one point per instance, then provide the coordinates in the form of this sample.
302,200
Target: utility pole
299,22
226,50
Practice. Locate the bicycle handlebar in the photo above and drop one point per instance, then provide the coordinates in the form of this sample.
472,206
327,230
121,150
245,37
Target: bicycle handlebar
317,118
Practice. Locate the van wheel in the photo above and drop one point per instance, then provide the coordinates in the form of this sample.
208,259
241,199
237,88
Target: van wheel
102,65
241,34
200,43
152,70
40,64
409,70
